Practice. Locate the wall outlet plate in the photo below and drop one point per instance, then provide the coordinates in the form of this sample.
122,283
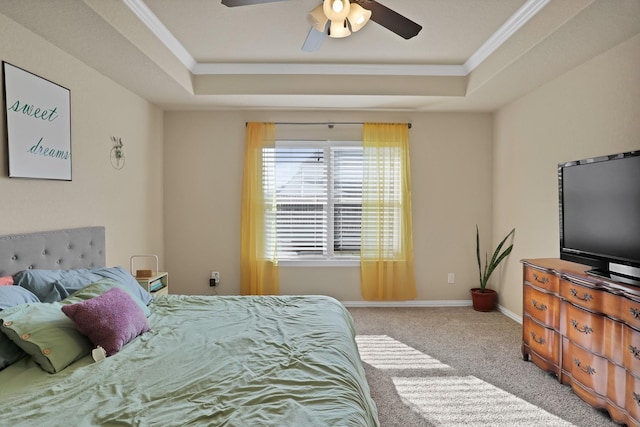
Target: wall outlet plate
215,279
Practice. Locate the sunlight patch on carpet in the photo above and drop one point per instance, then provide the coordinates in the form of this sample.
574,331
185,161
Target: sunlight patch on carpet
469,401
384,352
450,400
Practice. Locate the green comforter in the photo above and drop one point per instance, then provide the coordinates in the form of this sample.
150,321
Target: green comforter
208,361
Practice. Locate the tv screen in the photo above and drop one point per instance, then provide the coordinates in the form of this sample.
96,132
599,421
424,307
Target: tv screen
600,211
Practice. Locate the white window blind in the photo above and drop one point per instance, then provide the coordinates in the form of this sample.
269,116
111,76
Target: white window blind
346,180
318,199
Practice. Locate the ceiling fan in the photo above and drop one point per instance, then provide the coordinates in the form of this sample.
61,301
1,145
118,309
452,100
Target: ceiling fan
332,19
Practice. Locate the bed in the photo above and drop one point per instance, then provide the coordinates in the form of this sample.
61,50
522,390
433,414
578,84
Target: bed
204,360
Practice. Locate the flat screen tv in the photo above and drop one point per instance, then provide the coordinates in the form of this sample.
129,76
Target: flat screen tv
600,215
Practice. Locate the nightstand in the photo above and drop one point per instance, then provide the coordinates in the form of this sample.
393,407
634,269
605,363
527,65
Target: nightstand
158,284
155,282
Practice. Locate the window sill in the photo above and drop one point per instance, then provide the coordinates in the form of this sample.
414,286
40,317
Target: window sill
320,263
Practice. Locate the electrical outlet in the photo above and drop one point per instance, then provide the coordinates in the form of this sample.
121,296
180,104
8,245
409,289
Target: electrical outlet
451,278
215,279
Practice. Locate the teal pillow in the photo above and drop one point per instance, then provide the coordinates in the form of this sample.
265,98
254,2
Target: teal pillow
125,278
45,283
100,287
55,285
9,352
44,332
10,296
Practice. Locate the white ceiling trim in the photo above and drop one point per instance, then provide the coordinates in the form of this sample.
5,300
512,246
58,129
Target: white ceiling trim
156,26
328,69
510,27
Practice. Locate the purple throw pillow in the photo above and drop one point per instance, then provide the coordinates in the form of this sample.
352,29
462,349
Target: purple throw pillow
110,320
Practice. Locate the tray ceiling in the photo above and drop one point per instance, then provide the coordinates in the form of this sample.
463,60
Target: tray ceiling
199,54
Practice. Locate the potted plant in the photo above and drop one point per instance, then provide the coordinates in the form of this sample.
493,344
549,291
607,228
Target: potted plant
483,298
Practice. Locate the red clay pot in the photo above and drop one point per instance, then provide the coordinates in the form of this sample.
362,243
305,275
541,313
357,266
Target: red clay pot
483,301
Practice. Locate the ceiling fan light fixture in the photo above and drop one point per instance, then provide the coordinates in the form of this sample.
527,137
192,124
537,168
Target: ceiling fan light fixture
336,10
318,19
339,29
358,17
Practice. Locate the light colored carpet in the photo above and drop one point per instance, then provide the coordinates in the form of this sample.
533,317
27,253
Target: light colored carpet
449,400
441,360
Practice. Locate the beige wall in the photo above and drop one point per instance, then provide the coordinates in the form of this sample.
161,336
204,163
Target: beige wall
590,111
496,170
451,157
128,202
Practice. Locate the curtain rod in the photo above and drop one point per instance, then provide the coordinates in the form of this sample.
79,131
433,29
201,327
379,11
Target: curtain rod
329,124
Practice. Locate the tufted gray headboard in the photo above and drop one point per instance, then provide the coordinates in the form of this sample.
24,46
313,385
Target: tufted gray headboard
52,250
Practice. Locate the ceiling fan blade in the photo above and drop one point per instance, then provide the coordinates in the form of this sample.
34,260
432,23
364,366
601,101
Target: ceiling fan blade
234,3
313,41
390,19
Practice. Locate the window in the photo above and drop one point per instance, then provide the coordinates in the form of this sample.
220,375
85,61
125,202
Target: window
318,199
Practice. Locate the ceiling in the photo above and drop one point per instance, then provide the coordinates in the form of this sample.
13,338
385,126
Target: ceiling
471,55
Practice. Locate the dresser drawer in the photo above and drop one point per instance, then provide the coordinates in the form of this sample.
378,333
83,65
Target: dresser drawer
582,296
541,279
583,328
542,306
632,403
630,312
631,350
544,341
585,367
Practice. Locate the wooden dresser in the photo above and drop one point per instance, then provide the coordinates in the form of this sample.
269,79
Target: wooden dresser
586,330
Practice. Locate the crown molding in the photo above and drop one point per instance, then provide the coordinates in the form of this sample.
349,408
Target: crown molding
330,69
148,18
510,27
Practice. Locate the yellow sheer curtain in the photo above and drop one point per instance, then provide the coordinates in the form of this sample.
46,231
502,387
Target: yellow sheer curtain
259,267
386,254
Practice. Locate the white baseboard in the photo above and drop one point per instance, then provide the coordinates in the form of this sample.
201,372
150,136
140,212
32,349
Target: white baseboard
510,314
414,303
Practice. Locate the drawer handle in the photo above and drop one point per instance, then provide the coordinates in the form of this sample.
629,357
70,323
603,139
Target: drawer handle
587,370
544,280
635,351
584,330
636,396
538,340
541,307
635,312
584,297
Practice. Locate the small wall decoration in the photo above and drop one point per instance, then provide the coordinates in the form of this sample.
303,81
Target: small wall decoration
117,153
38,118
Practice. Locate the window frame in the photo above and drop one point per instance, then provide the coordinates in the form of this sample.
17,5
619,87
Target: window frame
321,260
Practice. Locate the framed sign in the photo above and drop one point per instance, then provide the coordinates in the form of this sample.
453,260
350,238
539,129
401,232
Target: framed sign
38,118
